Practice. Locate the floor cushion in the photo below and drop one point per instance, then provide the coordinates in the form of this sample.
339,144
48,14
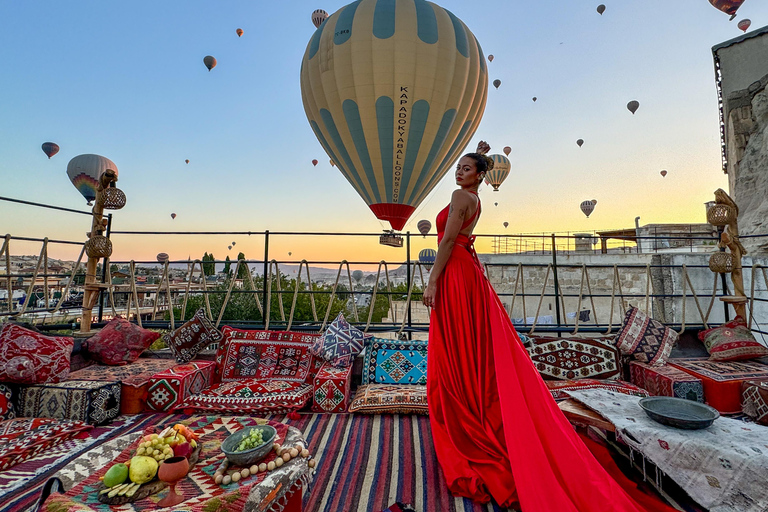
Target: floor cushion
172,386
249,396
395,362
559,388
645,339
193,336
754,400
340,343
28,357
575,358
390,399
732,341
666,381
90,401
331,389
23,438
120,342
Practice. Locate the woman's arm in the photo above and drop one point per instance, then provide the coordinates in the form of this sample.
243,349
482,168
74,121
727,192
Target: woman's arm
460,205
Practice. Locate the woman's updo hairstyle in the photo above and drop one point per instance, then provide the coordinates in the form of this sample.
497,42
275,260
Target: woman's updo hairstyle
483,163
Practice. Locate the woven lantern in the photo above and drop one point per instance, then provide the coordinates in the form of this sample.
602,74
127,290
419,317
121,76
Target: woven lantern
721,215
98,246
112,198
721,262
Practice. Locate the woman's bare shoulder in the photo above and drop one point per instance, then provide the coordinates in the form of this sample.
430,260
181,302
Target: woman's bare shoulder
461,196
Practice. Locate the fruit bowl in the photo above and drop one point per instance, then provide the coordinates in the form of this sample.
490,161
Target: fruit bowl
249,457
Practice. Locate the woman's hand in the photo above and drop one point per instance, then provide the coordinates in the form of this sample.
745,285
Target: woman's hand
429,295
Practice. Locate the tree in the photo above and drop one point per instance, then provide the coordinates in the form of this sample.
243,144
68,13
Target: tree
209,265
114,268
242,273
227,264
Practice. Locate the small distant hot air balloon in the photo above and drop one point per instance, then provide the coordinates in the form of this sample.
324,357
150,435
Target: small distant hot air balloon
173,215
239,32
594,202
727,6
744,24
587,207
495,204
186,161
424,227
500,171
427,257
318,17
663,173
209,62
633,105
507,150
229,247
234,243
357,275
601,9
162,257
332,164
84,172
314,162
580,142
496,83
506,224
534,99
289,253
490,58
50,149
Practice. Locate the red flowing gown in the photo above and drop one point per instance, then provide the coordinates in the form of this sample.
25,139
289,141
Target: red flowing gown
496,429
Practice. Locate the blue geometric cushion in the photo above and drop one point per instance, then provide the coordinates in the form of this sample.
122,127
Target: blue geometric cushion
395,362
340,343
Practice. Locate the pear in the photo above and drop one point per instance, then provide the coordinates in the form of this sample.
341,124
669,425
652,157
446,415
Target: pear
116,475
142,469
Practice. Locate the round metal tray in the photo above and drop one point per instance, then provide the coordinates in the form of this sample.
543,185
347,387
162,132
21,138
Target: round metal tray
679,412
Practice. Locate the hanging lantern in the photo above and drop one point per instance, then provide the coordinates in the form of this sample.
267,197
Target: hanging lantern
98,246
721,262
721,214
112,198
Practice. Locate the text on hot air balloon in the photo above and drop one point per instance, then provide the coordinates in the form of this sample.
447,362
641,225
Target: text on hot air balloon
402,125
345,31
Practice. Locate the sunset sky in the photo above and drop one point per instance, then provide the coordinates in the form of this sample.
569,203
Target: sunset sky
127,81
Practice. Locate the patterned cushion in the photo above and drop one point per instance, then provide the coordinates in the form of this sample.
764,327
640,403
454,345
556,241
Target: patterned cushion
91,401
6,404
390,399
645,339
559,388
575,358
120,342
395,362
265,355
340,343
23,438
192,337
754,400
28,357
250,396
732,342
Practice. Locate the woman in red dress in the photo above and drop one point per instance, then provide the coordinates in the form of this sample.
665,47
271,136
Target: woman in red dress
496,429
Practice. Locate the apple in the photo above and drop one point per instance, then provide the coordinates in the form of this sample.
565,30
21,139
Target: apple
182,450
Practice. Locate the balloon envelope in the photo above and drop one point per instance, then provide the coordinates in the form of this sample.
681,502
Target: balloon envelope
357,275
50,148
186,161
580,142
601,9
173,215
314,162
534,99
392,128
633,106
496,83
500,171
744,24
318,17
239,32
490,58
506,224
424,226
727,6
209,61
427,257
587,207
332,164
594,201
162,257
663,173
507,150
84,172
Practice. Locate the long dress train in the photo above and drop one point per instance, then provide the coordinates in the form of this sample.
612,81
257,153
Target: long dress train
497,430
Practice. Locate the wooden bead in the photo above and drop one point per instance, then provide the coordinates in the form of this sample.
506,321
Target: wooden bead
270,466
245,473
218,478
305,453
299,446
276,447
286,457
294,452
311,463
254,469
227,479
263,467
236,476
279,462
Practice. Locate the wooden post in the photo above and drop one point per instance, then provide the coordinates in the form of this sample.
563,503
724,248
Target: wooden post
730,239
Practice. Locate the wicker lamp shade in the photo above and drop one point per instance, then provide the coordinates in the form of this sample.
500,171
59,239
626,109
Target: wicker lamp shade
98,246
721,215
112,198
721,262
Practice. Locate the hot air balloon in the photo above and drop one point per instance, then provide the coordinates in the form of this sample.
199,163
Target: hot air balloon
506,224
744,24
633,106
663,173
289,253
601,9
507,150
318,17
173,215
495,204
162,257
496,83
234,243
229,247
239,32
594,201
209,62
314,162
357,275
580,142
427,257
587,207
727,6
534,99
332,164
424,227
186,161
500,171
395,138
490,58
84,172
50,149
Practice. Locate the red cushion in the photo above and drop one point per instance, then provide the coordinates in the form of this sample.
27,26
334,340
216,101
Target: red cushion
28,357
6,405
120,342
250,396
192,337
732,342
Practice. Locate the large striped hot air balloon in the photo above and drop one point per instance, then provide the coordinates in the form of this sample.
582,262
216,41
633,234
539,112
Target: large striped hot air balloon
496,176
84,172
424,226
394,91
727,6
427,257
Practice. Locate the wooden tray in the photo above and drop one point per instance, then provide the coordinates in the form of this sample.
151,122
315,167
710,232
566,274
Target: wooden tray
152,487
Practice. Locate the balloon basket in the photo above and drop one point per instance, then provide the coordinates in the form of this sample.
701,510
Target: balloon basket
391,239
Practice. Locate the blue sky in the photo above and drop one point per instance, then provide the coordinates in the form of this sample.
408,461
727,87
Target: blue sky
127,81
